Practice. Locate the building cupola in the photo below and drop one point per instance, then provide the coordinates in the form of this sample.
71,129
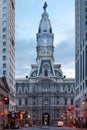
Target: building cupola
45,37
45,25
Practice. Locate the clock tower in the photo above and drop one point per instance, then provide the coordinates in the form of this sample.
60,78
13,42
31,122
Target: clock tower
46,94
45,38
45,66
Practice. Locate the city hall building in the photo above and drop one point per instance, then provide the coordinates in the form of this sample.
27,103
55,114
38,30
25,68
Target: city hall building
44,96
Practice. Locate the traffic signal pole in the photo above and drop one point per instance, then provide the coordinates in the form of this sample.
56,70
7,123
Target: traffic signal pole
5,102
3,114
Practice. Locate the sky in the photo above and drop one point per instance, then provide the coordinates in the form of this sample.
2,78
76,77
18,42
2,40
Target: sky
27,18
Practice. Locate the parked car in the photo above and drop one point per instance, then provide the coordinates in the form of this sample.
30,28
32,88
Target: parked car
26,125
15,127
60,124
70,124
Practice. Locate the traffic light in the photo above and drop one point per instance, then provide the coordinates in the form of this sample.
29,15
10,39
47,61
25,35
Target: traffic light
2,114
70,108
6,100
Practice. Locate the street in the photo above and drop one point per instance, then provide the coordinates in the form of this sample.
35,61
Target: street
50,128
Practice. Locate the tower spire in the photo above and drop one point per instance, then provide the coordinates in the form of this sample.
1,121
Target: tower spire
45,6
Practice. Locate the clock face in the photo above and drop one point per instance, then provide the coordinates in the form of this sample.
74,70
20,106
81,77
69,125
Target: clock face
45,40
44,51
58,73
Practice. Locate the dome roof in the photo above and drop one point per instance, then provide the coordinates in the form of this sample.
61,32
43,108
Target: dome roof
45,25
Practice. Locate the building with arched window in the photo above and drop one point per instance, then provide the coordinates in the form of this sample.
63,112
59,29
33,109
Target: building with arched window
46,94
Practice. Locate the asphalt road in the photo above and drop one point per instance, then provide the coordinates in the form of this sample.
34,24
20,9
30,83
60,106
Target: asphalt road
50,128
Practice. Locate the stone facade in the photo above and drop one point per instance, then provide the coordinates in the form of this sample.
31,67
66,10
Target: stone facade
7,46
39,96
4,111
46,94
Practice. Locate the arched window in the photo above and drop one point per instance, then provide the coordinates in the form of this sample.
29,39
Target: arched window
25,90
34,88
46,72
46,69
57,102
71,90
19,102
86,36
46,101
26,102
71,101
19,90
65,90
65,101
57,88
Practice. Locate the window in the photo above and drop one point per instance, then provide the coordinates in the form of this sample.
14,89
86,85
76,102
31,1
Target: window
34,103
4,72
20,90
26,102
86,23
17,84
80,87
85,2
4,43
4,29
46,89
4,65
46,101
4,57
20,102
71,101
65,101
46,72
50,30
23,84
44,30
57,89
86,16
34,89
85,9
4,1
4,36
26,90
57,102
33,97
86,83
4,9
12,5
71,90
4,23
4,16
4,50
65,89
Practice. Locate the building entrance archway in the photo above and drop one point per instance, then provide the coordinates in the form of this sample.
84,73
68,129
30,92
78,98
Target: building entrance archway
46,119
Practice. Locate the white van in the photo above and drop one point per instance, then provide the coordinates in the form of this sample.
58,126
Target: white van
60,124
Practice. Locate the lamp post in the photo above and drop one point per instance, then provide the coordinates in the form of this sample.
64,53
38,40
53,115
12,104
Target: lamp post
85,108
